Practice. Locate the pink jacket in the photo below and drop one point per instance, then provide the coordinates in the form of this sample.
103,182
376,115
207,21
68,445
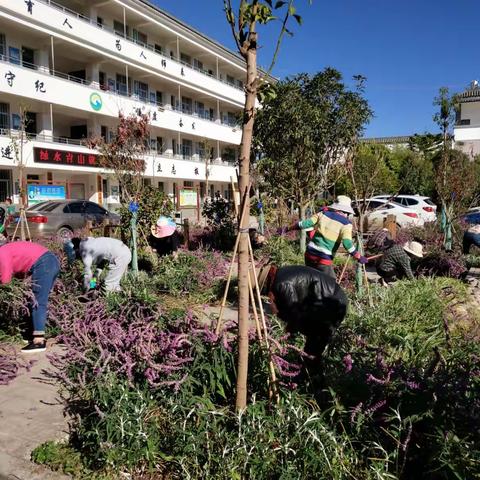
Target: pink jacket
18,258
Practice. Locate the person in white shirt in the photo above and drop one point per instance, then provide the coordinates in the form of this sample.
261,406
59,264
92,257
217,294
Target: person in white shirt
98,251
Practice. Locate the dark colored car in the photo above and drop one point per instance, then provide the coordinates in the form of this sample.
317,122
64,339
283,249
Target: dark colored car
472,217
63,217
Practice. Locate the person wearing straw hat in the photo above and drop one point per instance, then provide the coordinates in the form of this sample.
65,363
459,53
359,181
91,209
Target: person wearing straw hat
330,227
395,262
164,238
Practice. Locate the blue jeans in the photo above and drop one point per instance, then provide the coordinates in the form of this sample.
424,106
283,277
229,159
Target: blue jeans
44,273
470,239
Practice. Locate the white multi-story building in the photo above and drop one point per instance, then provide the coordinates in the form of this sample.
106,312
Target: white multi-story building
467,127
73,65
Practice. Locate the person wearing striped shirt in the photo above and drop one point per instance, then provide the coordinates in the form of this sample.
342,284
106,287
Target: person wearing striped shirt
331,227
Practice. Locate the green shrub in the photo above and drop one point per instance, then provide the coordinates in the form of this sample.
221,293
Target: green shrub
282,251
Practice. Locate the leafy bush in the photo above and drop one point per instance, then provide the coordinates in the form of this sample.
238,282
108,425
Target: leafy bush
196,272
409,381
220,218
282,250
152,204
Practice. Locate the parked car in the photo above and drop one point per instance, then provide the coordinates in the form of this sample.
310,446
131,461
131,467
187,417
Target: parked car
377,210
472,216
63,217
424,206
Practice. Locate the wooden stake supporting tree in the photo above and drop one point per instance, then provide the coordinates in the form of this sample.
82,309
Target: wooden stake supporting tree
17,144
243,20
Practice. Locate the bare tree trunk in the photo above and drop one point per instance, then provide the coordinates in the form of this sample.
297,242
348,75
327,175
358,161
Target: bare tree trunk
303,234
243,253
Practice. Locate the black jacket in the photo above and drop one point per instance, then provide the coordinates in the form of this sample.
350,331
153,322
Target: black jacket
309,301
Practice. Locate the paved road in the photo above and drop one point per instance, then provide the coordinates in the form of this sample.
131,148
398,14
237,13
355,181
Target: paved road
30,414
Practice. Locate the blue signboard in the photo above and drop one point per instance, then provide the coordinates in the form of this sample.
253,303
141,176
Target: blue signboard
41,193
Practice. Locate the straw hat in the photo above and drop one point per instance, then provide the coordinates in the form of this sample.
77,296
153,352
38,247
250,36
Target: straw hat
164,227
414,248
343,204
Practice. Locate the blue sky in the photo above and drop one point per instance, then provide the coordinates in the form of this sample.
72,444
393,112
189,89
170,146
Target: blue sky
407,49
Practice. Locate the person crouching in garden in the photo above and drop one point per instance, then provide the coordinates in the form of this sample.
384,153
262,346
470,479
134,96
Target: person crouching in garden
309,302
164,237
23,258
395,263
97,252
330,227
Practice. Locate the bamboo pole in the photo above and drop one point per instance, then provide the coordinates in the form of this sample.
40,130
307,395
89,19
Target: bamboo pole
230,270
273,376
344,269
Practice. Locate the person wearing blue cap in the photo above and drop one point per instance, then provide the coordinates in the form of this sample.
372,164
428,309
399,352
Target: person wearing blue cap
96,252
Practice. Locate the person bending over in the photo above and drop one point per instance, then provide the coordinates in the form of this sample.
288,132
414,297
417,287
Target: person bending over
164,237
309,302
395,263
28,258
97,252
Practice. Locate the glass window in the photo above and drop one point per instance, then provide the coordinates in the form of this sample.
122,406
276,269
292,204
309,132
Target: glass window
5,116
410,201
16,120
49,206
28,57
188,183
184,58
140,89
75,207
94,209
121,84
14,54
161,187
3,45
119,28
429,202
139,37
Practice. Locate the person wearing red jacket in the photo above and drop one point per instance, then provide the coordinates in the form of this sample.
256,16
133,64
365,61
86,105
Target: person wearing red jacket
18,259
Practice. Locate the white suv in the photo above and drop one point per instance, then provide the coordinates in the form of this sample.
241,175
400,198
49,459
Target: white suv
425,208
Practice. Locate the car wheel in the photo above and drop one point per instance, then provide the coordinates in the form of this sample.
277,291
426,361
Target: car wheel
65,232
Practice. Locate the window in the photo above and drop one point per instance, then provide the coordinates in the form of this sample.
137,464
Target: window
200,109
188,184
187,105
161,187
159,144
410,202
230,80
14,55
104,132
101,80
186,148
30,122
120,28
147,182
4,116
75,207
3,45
140,89
197,64
16,120
158,48
172,101
159,97
184,58
33,178
121,84
94,209
139,37
100,21
28,57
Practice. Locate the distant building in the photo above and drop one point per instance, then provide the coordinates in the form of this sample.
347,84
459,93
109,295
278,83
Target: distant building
74,65
389,142
467,127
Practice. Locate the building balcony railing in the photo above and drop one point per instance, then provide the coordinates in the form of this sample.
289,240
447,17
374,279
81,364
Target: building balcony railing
147,46
120,90
83,142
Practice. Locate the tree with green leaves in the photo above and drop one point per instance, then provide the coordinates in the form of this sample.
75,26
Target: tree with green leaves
447,178
124,155
304,131
244,17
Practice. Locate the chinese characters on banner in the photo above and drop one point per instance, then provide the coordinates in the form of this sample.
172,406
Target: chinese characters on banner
61,157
